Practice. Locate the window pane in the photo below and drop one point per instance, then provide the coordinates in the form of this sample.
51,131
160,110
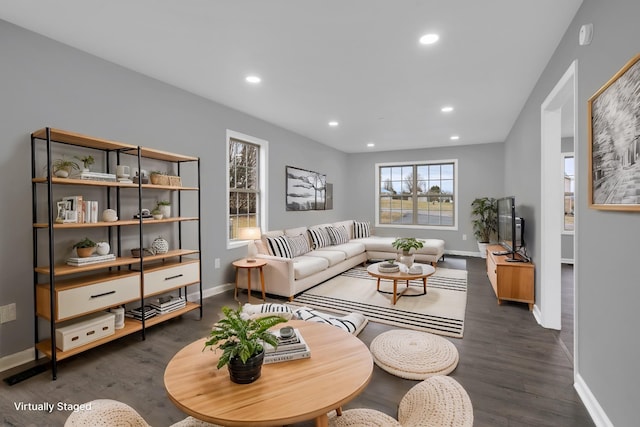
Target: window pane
569,193
244,185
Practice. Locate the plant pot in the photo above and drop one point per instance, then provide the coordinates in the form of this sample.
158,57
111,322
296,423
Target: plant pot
406,259
482,247
165,210
85,252
62,173
246,373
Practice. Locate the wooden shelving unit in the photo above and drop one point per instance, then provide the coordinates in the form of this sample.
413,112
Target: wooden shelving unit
63,292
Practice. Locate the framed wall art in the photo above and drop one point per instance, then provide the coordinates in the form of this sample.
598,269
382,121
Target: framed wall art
614,141
306,190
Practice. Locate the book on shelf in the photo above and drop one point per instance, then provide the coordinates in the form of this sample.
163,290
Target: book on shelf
93,259
286,356
97,176
136,313
286,344
167,304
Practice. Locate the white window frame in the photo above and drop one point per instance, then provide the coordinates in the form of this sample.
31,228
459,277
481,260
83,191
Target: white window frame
453,227
264,156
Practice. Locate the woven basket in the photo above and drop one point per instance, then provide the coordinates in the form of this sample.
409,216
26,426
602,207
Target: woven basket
158,179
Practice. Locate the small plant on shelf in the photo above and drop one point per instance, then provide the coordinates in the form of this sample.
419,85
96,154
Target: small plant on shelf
86,161
62,168
164,203
85,247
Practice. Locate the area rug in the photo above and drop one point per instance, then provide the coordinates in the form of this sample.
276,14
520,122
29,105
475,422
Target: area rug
441,311
413,355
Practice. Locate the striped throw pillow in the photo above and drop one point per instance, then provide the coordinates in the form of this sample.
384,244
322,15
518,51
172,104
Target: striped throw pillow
361,229
299,245
338,235
319,237
279,246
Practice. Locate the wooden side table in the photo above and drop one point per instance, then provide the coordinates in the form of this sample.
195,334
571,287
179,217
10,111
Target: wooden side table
245,264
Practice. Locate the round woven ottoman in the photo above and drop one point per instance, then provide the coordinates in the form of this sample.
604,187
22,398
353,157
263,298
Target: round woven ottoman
362,417
435,402
413,355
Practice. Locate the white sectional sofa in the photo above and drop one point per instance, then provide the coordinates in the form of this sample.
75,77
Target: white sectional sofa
294,267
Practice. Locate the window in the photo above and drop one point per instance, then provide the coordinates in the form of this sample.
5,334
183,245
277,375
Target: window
246,160
569,191
417,194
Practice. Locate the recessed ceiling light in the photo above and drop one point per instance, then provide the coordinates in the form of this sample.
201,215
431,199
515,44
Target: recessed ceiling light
253,79
429,39
371,144
333,123
454,138
447,109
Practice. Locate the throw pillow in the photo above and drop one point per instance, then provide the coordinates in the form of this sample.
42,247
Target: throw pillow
256,311
361,229
338,235
299,245
319,237
352,323
279,246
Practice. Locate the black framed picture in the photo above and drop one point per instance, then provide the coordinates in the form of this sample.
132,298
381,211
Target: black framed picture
306,190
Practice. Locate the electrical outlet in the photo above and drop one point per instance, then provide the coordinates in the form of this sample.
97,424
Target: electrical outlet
216,263
8,313
464,237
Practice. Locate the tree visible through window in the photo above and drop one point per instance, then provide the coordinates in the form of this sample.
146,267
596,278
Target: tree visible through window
244,186
417,194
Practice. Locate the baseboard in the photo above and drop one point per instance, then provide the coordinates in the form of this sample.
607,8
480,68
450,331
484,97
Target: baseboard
566,261
598,415
17,359
537,314
26,356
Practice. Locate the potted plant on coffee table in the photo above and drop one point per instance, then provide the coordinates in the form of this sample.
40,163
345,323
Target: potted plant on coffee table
484,212
240,340
406,244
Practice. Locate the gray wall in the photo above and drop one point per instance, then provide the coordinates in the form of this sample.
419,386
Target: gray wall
606,250
479,175
45,83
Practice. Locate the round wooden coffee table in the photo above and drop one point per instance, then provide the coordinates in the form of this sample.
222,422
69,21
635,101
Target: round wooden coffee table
339,369
427,271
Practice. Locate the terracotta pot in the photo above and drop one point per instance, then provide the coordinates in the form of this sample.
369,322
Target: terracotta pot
245,373
85,252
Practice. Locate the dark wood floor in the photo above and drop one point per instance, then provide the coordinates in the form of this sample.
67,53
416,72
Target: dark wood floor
516,373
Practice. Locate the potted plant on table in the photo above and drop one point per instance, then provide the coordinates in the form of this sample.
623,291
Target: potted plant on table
406,244
240,340
484,212
85,247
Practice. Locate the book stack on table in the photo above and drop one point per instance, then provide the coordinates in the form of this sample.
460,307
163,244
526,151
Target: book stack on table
288,349
167,304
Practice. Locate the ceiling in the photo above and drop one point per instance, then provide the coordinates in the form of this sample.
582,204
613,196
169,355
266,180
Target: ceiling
357,62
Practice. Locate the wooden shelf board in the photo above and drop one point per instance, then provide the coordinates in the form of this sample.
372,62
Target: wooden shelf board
115,223
130,326
64,269
89,182
81,140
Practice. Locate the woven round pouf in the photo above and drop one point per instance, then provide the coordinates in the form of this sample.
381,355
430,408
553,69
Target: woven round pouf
362,417
413,355
435,402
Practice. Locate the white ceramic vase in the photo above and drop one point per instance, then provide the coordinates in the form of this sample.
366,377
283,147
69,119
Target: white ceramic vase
406,259
165,210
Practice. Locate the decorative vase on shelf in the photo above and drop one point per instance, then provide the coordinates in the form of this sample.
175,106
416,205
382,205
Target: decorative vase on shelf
102,248
406,259
85,252
165,210
160,245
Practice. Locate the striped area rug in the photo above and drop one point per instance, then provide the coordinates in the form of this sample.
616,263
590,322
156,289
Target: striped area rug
441,311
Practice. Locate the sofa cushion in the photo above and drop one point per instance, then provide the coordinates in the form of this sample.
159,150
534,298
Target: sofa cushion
257,311
378,244
361,229
332,256
350,249
304,266
338,235
279,246
319,237
348,225
299,244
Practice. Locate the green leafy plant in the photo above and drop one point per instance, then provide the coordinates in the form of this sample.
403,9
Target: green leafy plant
156,211
484,212
239,337
406,244
64,164
86,161
164,203
85,243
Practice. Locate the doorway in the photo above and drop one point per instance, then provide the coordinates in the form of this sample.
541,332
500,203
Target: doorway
557,121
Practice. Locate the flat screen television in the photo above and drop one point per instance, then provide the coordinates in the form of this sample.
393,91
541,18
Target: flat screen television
510,227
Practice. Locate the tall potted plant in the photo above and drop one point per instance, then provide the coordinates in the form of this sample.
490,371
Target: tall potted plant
484,213
240,340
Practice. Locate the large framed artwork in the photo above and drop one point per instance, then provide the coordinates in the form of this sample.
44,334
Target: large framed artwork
614,141
306,190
